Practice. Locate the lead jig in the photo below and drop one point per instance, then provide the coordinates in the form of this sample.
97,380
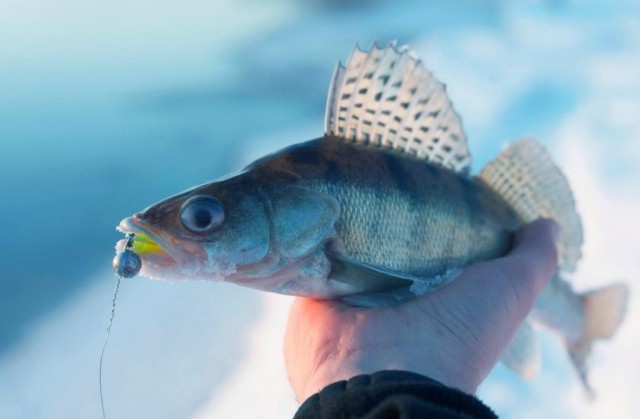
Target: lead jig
126,263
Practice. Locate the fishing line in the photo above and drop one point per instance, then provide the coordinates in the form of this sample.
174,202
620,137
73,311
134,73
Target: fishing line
106,339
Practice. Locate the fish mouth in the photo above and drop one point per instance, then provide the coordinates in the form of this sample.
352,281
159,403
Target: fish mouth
160,253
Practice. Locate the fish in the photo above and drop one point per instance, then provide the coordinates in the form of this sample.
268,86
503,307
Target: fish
378,210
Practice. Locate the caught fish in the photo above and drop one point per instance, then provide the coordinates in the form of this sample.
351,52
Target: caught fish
380,209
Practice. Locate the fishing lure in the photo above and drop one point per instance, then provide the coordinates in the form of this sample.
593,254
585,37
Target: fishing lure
127,264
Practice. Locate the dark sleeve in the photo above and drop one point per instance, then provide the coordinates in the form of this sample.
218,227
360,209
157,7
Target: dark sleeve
390,395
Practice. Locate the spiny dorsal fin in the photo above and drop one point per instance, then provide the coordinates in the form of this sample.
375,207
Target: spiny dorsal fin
386,97
524,175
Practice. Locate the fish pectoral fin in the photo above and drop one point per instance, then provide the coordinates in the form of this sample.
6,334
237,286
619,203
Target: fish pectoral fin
367,278
380,299
522,355
375,286
301,218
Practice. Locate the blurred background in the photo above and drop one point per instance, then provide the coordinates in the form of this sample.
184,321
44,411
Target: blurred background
107,107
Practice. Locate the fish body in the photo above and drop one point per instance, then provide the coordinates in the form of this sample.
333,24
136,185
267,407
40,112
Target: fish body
396,212
373,207
380,209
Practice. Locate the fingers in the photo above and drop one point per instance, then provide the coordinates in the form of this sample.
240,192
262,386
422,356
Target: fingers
532,261
503,290
535,238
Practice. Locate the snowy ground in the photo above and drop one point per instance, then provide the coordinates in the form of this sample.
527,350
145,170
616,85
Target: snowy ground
105,109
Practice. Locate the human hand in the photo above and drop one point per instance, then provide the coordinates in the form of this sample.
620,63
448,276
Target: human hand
454,335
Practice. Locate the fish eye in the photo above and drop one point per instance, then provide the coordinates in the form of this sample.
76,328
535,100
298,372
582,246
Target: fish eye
201,213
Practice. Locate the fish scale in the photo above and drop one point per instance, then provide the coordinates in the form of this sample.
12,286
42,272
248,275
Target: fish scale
418,227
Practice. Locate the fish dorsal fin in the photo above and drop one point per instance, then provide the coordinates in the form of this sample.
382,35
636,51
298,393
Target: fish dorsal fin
386,97
525,176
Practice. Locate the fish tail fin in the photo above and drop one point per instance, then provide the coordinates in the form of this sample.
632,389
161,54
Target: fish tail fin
524,175
604,310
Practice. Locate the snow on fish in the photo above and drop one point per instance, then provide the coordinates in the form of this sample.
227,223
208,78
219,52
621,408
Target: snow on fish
379,209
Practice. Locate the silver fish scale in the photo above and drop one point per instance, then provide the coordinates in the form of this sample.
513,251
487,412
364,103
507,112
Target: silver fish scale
386,229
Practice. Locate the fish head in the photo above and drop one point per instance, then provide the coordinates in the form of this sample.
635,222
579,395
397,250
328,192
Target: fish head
207,232
242,230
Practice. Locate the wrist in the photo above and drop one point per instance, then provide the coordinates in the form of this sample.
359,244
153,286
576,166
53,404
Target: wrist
345,368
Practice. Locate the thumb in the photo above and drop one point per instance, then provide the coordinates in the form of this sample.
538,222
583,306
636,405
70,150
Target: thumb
530,265
502,291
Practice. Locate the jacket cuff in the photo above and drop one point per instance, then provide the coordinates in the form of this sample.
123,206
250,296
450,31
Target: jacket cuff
392,394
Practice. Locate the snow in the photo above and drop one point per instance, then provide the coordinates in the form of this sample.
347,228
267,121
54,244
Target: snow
110,107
